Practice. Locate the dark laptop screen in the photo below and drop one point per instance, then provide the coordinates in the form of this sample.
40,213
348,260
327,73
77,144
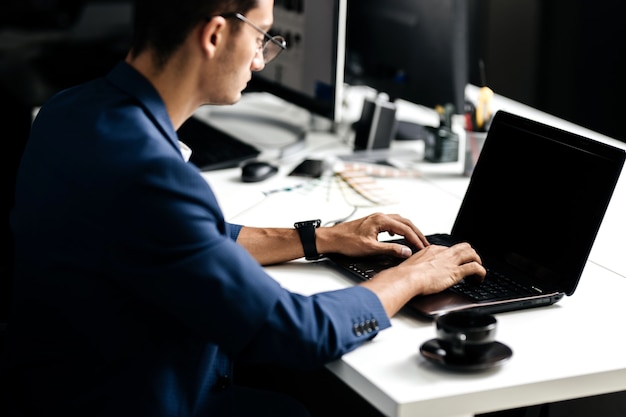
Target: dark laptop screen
567,181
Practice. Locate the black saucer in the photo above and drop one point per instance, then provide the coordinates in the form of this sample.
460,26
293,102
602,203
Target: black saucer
495,354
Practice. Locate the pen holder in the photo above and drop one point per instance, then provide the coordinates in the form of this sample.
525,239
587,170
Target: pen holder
441,145
474,142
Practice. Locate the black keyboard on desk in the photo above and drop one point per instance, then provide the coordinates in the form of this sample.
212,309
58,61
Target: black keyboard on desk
494,287
212,148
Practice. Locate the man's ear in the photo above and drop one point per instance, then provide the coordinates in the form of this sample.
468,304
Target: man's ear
212,35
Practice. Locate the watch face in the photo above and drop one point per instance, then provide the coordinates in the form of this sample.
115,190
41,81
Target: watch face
314,223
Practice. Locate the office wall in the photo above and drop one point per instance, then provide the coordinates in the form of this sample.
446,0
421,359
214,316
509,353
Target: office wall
504,35
567,58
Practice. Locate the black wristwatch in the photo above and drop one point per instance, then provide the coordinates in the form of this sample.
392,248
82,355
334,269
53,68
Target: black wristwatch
306,230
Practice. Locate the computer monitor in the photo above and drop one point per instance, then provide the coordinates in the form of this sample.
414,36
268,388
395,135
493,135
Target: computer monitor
310,72
416,50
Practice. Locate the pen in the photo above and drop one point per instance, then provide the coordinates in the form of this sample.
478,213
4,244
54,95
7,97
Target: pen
483,108
483,104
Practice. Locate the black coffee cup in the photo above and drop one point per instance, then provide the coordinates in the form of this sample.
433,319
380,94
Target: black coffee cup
466,333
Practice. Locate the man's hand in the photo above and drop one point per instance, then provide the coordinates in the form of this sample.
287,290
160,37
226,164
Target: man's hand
429,271
360,237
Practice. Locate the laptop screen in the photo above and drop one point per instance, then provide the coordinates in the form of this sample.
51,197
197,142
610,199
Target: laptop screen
566,182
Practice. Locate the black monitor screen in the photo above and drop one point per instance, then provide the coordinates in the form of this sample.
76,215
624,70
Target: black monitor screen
310,72
416,50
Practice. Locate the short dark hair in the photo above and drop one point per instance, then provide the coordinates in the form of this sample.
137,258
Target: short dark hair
164,24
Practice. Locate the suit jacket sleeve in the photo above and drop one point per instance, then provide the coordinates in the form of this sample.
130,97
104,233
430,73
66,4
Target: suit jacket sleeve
178,253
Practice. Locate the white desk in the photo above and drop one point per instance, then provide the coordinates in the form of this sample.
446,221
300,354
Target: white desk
569,350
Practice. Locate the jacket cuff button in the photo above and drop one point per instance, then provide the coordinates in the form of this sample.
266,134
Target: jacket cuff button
223,382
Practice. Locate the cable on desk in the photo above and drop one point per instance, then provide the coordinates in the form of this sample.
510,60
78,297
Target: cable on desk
354,199
342,219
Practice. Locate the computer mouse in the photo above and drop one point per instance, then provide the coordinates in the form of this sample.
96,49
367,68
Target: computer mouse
254,171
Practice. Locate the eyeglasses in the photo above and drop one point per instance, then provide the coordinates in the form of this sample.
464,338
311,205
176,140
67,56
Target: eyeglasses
271,47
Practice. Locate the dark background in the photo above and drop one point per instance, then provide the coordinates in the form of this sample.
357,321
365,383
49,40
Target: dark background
46,46
565,57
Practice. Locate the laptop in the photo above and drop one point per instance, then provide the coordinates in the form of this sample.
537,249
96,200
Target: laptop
532,210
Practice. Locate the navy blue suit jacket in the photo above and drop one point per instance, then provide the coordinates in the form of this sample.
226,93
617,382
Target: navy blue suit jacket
131,292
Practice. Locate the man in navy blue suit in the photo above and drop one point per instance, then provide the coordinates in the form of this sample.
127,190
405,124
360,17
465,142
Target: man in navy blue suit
132,294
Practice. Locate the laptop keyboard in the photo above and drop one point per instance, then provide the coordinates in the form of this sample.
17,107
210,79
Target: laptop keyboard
370,266
495,286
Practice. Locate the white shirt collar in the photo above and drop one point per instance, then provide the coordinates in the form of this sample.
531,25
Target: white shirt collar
185,150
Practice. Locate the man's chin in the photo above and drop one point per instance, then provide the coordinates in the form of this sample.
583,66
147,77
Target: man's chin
227,101
236,99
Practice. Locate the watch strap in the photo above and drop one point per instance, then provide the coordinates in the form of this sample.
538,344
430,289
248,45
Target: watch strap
306,230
